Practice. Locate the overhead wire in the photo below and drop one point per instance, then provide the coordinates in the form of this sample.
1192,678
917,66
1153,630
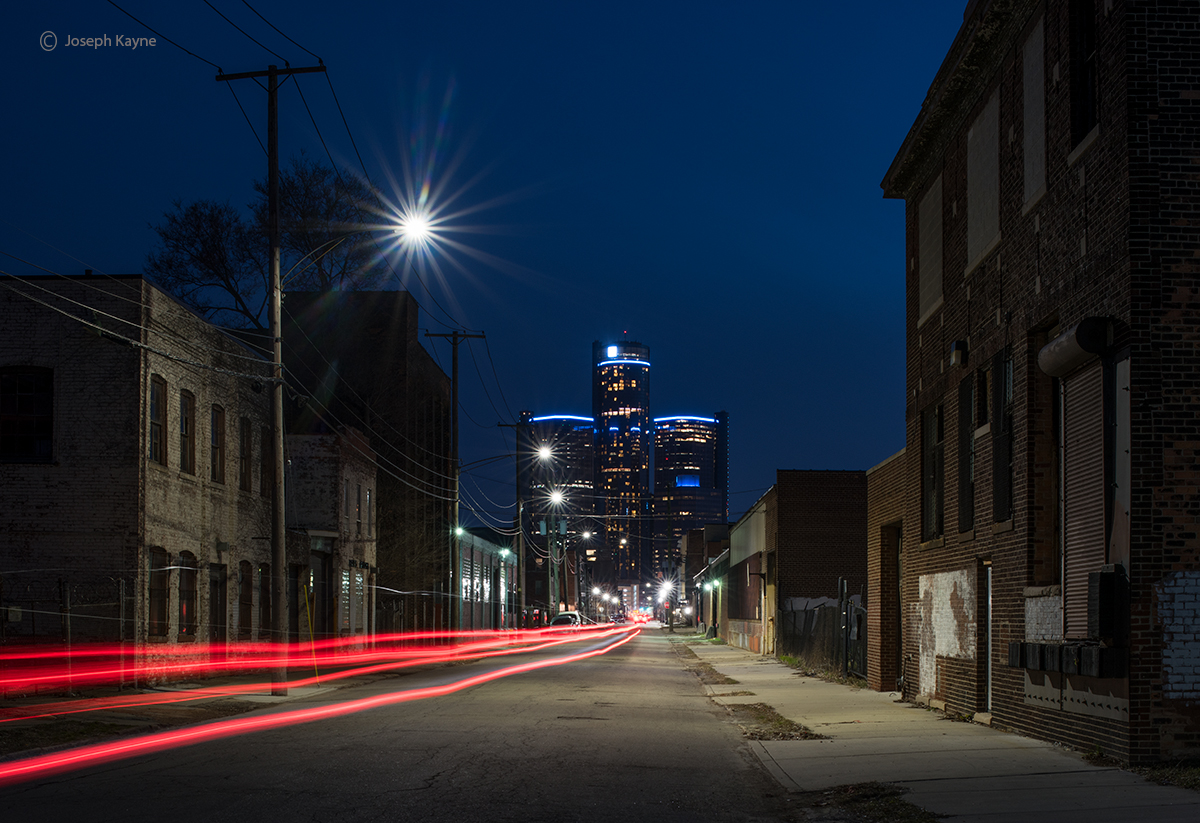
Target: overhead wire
243,31
164,37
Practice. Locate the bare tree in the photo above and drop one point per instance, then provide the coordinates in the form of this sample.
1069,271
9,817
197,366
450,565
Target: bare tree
216,259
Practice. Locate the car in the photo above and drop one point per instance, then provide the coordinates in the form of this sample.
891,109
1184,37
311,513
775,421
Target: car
570,618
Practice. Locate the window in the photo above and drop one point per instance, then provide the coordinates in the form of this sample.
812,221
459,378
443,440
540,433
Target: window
187,432
966,454
929,250
160,576
346,502
245,600
264,600
245,449
983,183
1002,427
26,414
187,596
1034,129
1085,109
1083,442
358,511
266,480
217,454
158,420
370,516
932,472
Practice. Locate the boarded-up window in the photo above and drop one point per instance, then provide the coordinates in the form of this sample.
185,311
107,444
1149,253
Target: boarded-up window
1002,435
1085,86
1034,144
187,596
1083,490
983,182
245,599
187,432
932,472
158,420
160,576
966,454
217,445
26,414
929,249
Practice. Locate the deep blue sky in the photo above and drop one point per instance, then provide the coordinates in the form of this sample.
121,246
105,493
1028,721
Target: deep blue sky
702,175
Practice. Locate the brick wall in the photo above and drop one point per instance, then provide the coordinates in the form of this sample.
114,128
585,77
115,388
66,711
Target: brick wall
885,515
1113,236
821,532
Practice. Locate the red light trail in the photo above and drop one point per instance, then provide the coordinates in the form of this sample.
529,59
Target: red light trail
17,771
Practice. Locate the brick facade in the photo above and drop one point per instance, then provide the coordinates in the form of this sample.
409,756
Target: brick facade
885,524
1088,285
95,510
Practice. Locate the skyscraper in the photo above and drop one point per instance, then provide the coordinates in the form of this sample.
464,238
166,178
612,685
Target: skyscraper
691,488
621,408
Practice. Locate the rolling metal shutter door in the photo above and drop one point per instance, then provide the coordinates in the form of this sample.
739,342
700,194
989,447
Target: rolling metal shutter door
1083,480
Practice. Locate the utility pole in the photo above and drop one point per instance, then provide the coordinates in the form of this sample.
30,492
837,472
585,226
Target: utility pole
456,589
278,522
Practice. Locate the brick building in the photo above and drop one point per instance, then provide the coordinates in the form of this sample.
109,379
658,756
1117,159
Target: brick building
1049,537
331,520
794,544
886,500
131,459
354,360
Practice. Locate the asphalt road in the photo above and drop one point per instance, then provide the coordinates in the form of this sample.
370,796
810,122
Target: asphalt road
629,735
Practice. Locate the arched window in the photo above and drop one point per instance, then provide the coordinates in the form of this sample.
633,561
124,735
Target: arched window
160,575
26,414
245,599
187,596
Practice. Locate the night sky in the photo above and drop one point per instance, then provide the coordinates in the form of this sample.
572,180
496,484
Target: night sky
702,177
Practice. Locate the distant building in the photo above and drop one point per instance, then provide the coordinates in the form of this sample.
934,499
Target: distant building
1048,562
621,409
354,359
691,487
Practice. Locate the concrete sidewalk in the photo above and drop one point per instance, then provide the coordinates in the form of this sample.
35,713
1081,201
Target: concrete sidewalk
966,771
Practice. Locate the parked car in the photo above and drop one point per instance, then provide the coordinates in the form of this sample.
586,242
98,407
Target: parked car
570,619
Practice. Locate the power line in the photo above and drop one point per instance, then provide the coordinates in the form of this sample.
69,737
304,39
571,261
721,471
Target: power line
272,25
243,31
163,36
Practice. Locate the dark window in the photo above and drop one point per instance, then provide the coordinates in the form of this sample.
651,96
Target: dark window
187,432
1002,427
932,472
245,599
267,469
358,512
158,420
218,444
187,596
26,414
966,454
160,576
245,449
1085,107
264,601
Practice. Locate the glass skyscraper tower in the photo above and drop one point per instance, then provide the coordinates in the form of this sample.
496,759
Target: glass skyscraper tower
624,437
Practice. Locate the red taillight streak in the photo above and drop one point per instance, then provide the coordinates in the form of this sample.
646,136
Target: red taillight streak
249,656
128,701
20,770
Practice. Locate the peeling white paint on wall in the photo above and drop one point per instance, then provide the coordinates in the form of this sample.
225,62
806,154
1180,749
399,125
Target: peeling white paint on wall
947,622
1179,614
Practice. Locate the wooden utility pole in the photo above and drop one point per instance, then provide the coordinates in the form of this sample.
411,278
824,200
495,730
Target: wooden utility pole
456,588
278,522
